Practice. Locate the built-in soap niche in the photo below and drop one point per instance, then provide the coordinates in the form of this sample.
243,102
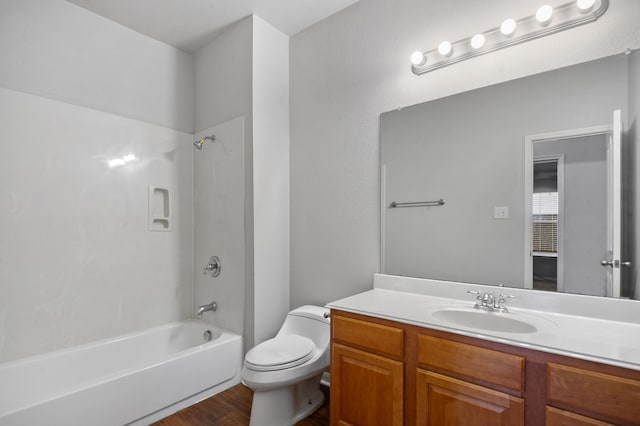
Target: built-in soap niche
159,208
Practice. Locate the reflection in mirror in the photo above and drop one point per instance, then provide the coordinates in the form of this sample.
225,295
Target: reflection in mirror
569,222
546,222
554,204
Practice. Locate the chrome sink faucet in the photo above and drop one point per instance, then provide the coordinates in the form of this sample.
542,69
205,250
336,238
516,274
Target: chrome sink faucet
488,301
213,306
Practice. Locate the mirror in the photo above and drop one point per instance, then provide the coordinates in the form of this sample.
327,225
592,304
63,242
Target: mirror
469,150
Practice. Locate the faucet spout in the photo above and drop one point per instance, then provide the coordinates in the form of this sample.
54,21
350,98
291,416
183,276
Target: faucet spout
213,306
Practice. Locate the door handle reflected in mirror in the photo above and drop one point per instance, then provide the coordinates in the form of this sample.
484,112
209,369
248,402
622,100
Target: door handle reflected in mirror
615,263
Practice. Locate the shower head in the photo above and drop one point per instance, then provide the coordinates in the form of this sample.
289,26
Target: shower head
199,143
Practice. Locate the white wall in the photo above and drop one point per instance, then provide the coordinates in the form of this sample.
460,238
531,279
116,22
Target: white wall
77,259
223,76
219,188
270,177
244,72
354,65
61,51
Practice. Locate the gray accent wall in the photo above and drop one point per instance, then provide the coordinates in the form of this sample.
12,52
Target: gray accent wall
348,69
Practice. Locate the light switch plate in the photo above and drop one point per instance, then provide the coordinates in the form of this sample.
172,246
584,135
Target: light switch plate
501,212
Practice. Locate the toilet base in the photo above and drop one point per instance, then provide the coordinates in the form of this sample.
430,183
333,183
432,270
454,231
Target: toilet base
287,405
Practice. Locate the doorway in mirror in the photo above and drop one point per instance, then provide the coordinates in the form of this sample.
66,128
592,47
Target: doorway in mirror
574,195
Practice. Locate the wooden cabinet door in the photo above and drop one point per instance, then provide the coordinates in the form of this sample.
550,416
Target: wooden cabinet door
442,400
366,389
556,417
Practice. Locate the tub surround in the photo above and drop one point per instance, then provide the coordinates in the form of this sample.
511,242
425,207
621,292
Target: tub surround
67,203
584,327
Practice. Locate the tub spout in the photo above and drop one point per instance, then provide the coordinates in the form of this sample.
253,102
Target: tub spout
213,306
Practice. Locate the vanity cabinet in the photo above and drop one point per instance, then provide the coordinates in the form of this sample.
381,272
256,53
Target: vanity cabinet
390,373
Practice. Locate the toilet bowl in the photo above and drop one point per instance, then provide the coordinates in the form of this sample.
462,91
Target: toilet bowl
284,372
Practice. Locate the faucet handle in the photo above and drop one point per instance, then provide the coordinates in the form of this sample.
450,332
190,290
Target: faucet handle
507,296
502,301
479,296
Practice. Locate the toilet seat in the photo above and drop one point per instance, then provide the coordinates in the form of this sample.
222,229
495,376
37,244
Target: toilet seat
279,353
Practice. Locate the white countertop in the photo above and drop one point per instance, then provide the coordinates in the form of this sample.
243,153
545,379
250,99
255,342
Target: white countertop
611,335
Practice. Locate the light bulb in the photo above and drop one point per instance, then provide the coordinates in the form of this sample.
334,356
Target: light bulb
445,48
544,14
477,41
585,5
418,58
508,27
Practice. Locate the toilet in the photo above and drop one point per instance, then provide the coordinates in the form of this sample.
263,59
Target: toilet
284,372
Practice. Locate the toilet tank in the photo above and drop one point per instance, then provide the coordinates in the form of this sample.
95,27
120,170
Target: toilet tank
308,321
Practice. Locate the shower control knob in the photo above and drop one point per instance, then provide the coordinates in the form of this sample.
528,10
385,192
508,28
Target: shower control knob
213,267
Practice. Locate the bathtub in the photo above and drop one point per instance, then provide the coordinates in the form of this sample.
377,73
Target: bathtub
136,378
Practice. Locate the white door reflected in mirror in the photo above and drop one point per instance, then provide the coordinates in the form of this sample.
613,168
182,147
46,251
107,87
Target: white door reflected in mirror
573,185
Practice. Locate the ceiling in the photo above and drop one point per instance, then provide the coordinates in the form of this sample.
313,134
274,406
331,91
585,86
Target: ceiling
191,24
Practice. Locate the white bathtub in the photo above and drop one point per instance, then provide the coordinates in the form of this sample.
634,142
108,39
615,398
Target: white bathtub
135,378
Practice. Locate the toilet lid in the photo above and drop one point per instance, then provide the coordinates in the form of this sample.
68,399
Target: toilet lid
279,353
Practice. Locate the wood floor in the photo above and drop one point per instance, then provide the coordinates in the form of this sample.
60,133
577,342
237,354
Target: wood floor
233,408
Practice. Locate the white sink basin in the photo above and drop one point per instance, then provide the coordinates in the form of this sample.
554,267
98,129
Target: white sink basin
483,320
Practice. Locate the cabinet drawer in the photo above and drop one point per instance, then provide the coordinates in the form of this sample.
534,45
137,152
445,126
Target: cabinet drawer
556,417
443,400
379,338
598,393
483,364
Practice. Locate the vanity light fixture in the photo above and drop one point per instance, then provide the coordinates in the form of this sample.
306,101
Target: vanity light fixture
544,14
545,21
477,41
417,58
445,49
585,5
508,27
